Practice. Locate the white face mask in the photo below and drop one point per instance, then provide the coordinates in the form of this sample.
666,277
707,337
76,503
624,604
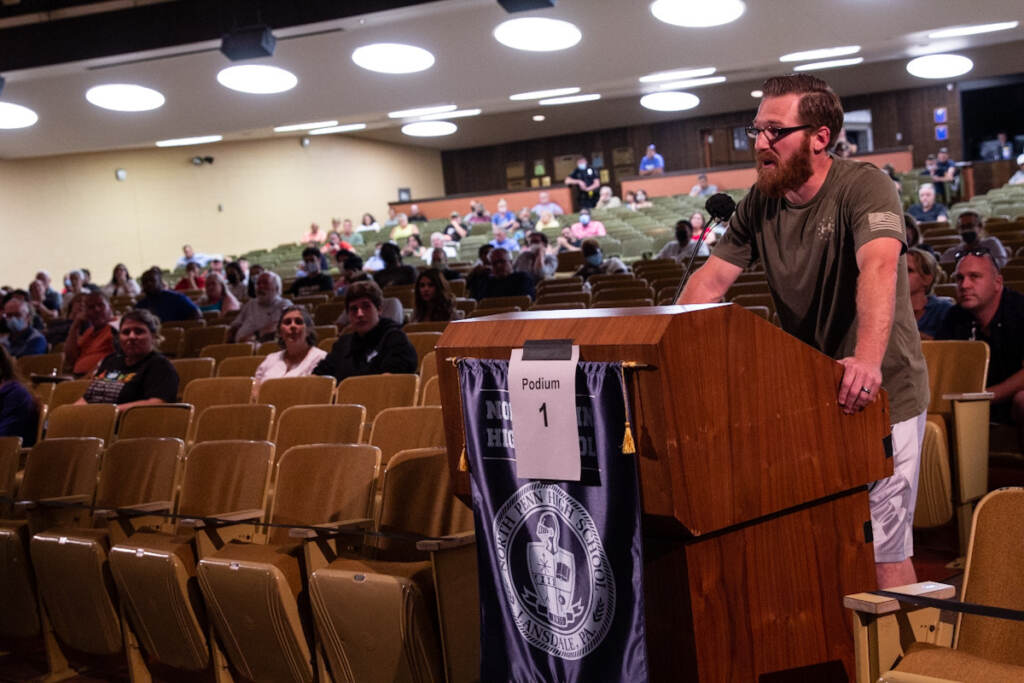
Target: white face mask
582,166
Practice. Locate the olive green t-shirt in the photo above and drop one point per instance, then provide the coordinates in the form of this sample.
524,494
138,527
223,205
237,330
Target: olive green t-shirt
809,254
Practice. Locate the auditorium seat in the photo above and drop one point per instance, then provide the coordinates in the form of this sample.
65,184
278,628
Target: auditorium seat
189,369
329,312
173,342
327,343
198,337
172,420
745,300
425,327
138,476
483,312
399,429
622,293
427,369
218,352
41,364
267,348
213,391
284,392
89,419
423,342
982,648
10,457
234,421
378,392
623,303
522,302
154,572
431,393
253,591
577,297
239,366
303,425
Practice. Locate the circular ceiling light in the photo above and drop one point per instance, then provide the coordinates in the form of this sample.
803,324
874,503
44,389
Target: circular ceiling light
539,117
697,13
124,97
824,53
257,79
344,128
184,142
537,34
669,101
16,116
757,93
429,129
679,74
939,66
393,58
540,94
831,64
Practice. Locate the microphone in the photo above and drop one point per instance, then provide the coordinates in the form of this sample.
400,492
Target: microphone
720,207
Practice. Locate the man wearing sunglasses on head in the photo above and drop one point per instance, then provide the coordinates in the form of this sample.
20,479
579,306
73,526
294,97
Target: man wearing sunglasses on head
972,233
992,313
829,233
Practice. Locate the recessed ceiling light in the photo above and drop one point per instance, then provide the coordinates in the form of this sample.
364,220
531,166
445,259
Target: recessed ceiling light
939,66
691,83
660,76
757,93
344,128
972,30
16,116
539,117
697,13
571,99
124,97
537,34
429,129
421,111
304,126
669,101
538,94
457,114
257,79
393,58
183,142
831,64
824,53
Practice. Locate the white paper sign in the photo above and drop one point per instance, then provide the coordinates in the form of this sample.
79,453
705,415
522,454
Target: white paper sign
542,397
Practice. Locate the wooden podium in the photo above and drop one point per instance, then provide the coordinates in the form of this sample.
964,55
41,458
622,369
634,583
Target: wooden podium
756,519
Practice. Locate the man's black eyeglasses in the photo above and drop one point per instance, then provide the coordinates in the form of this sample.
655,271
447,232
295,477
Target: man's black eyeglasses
973,251
773,133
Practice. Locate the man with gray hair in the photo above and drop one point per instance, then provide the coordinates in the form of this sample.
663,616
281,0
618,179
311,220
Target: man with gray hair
22,339
257,321
927,210
971,228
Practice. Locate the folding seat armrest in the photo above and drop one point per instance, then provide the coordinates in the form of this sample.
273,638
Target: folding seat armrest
129,511
970,396
223,519
447,542
347,526
869,603
81,499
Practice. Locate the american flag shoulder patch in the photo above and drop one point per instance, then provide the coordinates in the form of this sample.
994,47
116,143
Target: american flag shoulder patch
885,220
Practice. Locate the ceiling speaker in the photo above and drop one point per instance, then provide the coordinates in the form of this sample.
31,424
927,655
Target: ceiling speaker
513,6
250,42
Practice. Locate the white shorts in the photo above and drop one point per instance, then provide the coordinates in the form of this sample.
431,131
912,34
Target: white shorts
892,500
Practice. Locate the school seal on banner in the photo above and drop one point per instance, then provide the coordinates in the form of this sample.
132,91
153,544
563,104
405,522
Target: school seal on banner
558,581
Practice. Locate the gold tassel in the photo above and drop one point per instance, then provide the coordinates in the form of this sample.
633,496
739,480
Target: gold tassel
463,463
628,447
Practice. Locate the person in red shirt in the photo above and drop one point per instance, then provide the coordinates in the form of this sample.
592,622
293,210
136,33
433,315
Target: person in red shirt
85,348
192,280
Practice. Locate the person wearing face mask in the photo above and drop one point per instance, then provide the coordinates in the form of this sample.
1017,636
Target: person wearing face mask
315,280
237,283
587,227
259,317
22,339
594,262
972,234
587,181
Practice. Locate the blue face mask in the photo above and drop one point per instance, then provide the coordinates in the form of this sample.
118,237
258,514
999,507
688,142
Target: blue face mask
594,259
584,219
16,324
582,167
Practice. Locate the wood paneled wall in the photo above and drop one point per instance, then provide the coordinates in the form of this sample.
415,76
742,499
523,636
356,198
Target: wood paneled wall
899,118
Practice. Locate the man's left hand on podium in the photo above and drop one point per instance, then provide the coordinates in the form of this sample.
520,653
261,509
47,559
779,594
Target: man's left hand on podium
860,385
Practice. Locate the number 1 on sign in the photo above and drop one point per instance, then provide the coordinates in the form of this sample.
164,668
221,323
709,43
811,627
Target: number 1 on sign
544,410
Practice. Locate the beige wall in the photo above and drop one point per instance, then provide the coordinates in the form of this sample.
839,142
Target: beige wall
69,211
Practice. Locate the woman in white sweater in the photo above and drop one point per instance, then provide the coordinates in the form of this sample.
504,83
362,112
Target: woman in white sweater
299,353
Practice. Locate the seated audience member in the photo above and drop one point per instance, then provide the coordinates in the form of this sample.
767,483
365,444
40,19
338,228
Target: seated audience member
314,236
641,200
652,163
374,262
299,354
438,241
368,222
587,226
684,245
536,260
498,278
927,211
594,262
703,188
392,220
503,219
376,345
972,234
57,330
483,254
136,373
525,220
315,280
546,220
413,248
439,260
22,339
914,235
121,283
930,310
455,230
890,171
254,274
51,298
74,284
434,300
349,234
216,265
190,256
22,295
992,313
544,203
19,410
257,321
629,200
477,214
1018,177
403,229
217,296
237,282
606,200
415,214
193,279
93,335
350,269
943,175
567,241
334,243
393,272
37,300
165,304
503,241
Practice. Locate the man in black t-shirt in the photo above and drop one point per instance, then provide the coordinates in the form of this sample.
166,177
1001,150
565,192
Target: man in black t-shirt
315,280
587,183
